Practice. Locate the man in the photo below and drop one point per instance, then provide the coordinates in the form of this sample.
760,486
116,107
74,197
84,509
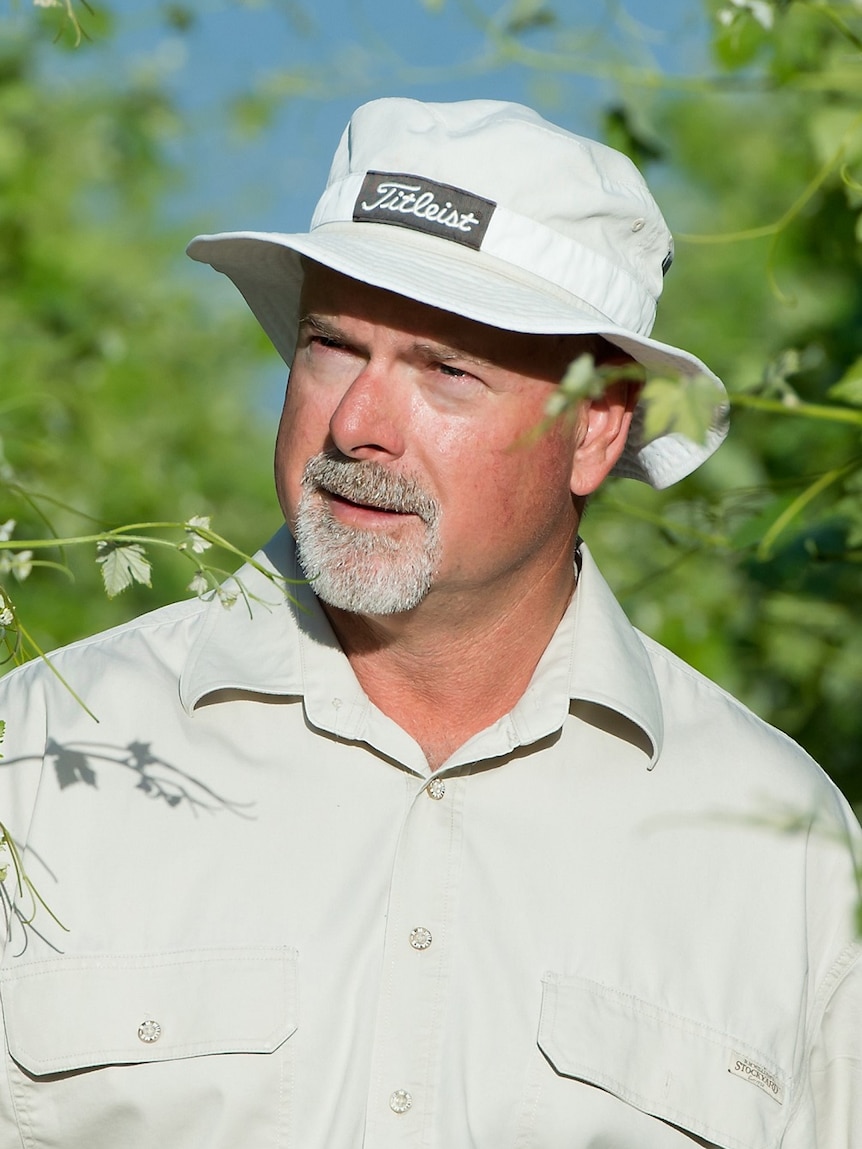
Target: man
475,864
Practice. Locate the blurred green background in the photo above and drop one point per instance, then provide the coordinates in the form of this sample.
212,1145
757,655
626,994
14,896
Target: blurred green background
134,387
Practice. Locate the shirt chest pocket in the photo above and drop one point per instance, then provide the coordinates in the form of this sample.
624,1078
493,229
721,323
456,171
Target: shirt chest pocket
702,1085
186,1048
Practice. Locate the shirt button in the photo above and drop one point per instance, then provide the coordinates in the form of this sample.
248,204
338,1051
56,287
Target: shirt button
400,1101
420,938
436,789
149,1031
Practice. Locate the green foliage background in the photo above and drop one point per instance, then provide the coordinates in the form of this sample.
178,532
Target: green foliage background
765,167
122,397
122,400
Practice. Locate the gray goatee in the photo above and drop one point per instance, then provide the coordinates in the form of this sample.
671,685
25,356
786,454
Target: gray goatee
359,570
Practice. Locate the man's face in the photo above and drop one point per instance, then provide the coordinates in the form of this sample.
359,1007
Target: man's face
409,461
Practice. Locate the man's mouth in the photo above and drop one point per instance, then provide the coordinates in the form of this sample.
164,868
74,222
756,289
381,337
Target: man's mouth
380,508
366,489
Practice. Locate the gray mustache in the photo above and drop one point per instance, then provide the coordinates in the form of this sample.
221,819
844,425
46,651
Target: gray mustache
370,484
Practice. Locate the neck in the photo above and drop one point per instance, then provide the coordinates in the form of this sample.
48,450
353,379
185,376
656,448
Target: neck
467,657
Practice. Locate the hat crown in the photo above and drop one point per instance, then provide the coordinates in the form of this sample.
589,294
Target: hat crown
507,153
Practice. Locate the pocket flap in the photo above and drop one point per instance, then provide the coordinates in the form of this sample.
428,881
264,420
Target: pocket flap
113,1009
672,1067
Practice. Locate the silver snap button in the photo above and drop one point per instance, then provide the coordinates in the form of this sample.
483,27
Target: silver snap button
436,789
149,1031
420,938
400,1101
638,224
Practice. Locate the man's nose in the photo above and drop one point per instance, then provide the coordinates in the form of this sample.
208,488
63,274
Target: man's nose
369,421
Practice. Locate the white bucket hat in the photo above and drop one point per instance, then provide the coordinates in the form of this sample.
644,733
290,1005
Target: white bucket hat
486,210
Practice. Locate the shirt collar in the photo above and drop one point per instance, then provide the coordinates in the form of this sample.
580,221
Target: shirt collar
609,669
251,645
595,665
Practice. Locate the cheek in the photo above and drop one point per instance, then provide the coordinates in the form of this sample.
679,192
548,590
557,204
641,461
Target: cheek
302,432
521,491
284,481
540,498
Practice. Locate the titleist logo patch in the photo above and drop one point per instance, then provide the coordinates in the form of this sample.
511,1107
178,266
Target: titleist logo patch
423,205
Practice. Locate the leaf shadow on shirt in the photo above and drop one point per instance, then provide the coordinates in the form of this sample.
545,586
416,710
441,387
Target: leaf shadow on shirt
79,764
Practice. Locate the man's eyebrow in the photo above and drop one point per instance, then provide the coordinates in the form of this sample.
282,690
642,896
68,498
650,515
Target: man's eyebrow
429,350
444,352
321,326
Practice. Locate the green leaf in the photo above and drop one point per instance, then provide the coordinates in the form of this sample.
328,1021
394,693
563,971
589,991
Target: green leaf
624,131
850,508
529,14
739,37
848,389
122,564
786,364
686,406
581,381
833,128
749,533
179,17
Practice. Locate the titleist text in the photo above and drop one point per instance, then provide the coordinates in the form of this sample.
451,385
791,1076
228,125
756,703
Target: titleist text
423,205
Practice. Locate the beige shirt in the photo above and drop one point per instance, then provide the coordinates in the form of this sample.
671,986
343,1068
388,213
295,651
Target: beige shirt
619,917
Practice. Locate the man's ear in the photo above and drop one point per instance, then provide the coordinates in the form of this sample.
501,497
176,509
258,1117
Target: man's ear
604,429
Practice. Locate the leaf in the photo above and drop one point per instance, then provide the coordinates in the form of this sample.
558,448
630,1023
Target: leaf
581,381
179,17
194,541
623,131
739,36
528,14
199,584
684,406
786,364
21,564
833,128
749,533
253,113
122,564
848,389
849,506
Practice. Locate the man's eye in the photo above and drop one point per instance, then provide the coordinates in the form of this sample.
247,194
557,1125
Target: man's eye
326,341
453,372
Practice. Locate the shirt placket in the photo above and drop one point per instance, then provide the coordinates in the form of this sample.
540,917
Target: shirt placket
414,996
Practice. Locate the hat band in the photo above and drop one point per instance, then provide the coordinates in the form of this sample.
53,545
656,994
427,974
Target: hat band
528,246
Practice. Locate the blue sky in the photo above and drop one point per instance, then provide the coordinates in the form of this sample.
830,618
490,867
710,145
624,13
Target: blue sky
334,55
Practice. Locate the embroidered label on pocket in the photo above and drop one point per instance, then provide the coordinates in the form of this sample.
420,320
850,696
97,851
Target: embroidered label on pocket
758,1075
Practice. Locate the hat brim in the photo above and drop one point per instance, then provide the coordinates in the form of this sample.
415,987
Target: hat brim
266,268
